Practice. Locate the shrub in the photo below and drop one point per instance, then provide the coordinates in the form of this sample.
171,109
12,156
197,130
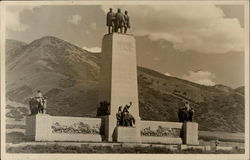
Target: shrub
108,149
15,137
9,126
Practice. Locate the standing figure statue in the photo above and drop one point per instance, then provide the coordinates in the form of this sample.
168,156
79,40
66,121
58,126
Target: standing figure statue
182,114
119,116
33,104
39,99
38,103
119,21
38,95
126,22
44,105
191,114
185,113
110,18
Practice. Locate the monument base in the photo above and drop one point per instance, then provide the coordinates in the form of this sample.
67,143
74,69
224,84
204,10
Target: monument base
161,140
126,135
43,127
110,129
37,127
190,132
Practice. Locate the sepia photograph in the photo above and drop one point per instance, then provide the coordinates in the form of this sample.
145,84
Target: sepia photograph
125,79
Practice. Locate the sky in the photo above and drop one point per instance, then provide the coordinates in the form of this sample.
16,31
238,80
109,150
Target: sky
199,43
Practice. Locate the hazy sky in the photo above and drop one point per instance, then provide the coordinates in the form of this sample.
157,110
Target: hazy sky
200,43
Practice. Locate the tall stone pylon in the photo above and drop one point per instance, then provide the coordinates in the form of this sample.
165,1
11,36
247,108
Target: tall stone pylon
118,81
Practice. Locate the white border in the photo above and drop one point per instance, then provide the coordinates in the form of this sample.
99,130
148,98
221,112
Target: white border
124,156
2,47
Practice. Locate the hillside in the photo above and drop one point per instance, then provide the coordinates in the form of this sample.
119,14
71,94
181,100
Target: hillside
69,76
240,90
215,109
66,73
13,48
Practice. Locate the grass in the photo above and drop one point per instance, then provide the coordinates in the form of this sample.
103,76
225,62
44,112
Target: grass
222,136
209,138
214,109
15,137
107,149
85,149
13,126
199,151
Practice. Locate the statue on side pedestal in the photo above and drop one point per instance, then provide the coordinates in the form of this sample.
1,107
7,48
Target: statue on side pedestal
124,118
103,109
38,103
185,113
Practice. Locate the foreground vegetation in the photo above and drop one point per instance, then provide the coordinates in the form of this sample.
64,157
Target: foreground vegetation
108,149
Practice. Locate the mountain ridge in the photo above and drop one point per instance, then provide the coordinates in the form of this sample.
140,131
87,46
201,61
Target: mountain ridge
69,76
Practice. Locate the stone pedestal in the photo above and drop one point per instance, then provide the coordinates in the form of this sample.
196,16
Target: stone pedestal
126,135
190,133
37,127
109,127
43,127
118,78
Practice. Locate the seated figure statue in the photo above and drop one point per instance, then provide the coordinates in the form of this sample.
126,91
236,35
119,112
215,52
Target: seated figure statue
124,118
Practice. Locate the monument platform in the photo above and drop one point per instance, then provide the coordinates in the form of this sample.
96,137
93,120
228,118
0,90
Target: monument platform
126,134
43,127
190,131
115,145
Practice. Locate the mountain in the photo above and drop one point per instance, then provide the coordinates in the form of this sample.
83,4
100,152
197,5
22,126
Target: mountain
215,109
13,48
240,90
223,88
69,76
65,72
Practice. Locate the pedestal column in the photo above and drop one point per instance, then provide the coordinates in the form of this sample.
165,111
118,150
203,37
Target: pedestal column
190,131
118,79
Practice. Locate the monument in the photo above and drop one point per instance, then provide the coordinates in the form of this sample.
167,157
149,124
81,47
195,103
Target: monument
118,117
118,83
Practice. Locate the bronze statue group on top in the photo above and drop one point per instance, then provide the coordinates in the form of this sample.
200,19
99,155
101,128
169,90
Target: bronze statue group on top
117,21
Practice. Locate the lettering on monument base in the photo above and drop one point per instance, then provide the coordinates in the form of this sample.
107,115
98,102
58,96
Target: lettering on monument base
76,128
161,132
126,134
124,46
